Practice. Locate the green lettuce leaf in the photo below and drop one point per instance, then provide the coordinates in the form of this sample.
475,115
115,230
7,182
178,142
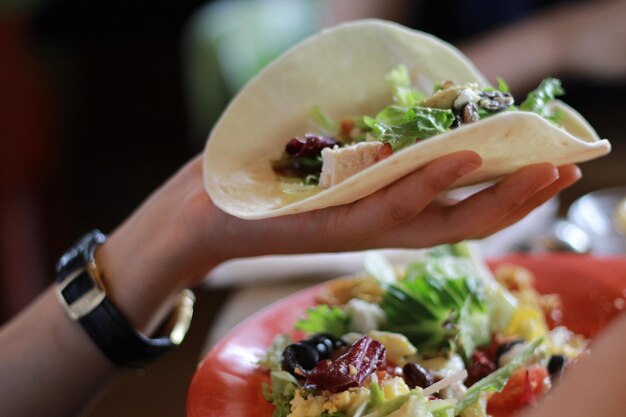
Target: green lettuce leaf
502,85
380,268
283,390
537,100
439,304
403,94
381,407
324,123
441,408
402,130
324,319
495,381
473,328
273,357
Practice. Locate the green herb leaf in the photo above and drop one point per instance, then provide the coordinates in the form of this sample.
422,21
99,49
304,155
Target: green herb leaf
324,319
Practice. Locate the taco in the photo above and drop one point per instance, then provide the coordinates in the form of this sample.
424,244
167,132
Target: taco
344,71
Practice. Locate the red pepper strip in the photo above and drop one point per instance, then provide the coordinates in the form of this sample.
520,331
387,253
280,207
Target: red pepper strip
349,370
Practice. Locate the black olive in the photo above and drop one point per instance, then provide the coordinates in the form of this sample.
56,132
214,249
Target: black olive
322,349
299,356
504,348
416,376
336,342
469,113
324,344
556,365
457,121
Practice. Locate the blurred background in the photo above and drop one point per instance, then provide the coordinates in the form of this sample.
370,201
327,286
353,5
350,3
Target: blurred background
101,101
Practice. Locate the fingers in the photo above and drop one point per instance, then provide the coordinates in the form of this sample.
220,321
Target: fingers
568,175
490,206
474,215
407,197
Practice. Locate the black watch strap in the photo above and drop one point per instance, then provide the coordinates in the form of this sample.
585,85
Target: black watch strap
83,295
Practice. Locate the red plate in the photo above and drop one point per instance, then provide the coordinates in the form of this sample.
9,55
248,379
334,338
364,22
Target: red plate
228,383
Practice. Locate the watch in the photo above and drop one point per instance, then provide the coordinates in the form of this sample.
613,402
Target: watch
82,294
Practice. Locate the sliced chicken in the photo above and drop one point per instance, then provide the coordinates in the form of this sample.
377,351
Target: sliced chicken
341,163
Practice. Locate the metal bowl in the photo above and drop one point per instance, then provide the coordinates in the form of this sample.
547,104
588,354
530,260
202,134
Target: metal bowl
602,216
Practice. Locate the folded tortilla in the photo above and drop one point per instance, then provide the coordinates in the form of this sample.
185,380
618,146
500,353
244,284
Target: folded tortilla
342,71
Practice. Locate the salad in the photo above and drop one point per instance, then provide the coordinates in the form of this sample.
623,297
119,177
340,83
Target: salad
343,149
441,337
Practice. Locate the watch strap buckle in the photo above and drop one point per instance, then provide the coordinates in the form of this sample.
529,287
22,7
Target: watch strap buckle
87,301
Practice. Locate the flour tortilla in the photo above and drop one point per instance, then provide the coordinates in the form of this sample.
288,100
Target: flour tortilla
342,71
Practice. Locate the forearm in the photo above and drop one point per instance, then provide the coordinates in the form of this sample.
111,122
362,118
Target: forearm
155,253
338,11
48,364
583,39
521,53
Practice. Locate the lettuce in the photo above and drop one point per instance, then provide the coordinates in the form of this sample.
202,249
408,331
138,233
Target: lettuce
381,407
400,82
537,100
380,268
324,123
439,304
403,127
283,390
503,87
324,319
273,357
413,403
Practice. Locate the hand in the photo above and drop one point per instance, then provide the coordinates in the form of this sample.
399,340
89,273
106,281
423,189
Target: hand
178,235
405,214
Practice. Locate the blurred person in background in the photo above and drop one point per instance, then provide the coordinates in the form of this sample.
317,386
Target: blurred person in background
520,40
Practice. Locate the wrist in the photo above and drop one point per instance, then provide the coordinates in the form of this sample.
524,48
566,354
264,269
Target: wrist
83,292
142,291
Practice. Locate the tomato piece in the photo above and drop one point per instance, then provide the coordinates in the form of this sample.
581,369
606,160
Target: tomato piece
522,389
346,128
385,151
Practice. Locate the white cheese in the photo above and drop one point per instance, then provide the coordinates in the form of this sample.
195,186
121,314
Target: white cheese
364,316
